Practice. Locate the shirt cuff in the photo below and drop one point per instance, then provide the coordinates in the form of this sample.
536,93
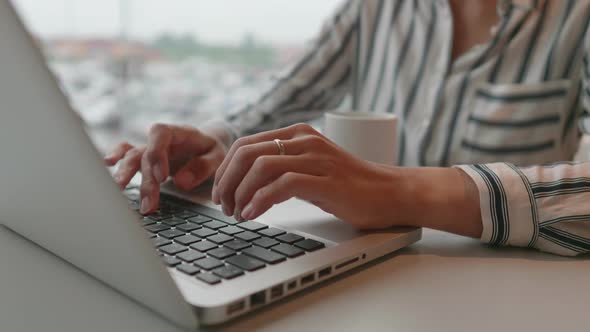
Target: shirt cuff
507,205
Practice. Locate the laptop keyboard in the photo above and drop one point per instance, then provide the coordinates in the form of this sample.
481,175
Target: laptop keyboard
211,247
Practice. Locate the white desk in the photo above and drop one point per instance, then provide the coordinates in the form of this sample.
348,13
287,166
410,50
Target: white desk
443,283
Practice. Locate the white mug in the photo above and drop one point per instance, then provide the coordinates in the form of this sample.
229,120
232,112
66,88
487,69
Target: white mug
369,136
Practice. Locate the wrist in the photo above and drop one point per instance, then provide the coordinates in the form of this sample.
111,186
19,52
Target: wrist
440,198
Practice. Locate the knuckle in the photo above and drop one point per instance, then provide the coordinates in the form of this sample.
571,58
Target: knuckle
241,142
315,142
243,153
289,179
158,128
262,163
132,155
124,146
303,128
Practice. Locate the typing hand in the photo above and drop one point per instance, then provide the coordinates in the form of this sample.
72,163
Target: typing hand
187,154
254,176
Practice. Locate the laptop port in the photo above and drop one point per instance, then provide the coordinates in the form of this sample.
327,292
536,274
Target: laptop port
292,285
307,279
257,299
236,307
345,263
276,292
325,272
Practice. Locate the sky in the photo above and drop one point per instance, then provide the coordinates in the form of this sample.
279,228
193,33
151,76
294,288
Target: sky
225,21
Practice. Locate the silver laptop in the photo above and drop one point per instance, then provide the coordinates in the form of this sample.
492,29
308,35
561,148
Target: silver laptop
206,268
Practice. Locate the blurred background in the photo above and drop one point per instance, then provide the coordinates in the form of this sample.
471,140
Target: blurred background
125,64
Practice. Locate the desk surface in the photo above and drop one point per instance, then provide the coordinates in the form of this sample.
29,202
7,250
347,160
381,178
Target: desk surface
442,283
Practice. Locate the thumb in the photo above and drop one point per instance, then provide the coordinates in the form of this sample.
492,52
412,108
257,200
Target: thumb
197,170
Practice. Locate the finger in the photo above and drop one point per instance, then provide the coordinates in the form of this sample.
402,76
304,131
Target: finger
156,151
288,185
282,134
197,170
165,140
239,163
149,189
236,170
129,167
267,169
117,154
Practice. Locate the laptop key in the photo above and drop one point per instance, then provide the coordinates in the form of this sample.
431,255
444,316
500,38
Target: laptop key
220,238
147,221
231,230
289,238
271,232
173,249
188,227
288,250
203,246
252,225
158,216
209,278
215,224
228,272
171,261
155,228
265,242
190,255
264,254
247,236
208,263
186,239
203,232
245,262
171,233
188,269
221,253
173,221
160,241
199,219
237,244
185,214
309,245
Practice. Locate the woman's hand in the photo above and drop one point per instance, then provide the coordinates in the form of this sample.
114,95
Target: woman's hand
188,155
254,176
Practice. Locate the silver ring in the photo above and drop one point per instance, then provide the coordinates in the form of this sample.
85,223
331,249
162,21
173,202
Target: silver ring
281,146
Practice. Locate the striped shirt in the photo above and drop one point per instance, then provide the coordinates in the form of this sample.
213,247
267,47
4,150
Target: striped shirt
518,99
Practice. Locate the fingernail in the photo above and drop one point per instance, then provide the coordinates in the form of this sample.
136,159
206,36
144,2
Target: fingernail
248,212
145,205
186,178
158,173
226,211
238,215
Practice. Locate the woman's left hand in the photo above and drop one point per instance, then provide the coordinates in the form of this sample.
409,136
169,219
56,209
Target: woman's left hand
254,176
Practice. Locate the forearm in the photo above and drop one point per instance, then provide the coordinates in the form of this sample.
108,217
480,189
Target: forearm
445,199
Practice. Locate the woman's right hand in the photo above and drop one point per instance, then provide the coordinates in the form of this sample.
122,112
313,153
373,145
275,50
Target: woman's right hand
185,153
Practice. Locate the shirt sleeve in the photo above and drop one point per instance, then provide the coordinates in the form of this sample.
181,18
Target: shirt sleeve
319,80
543,207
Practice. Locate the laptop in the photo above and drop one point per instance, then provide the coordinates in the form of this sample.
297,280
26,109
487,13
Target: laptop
188,262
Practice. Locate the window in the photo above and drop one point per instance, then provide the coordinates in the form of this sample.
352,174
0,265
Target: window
126,64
